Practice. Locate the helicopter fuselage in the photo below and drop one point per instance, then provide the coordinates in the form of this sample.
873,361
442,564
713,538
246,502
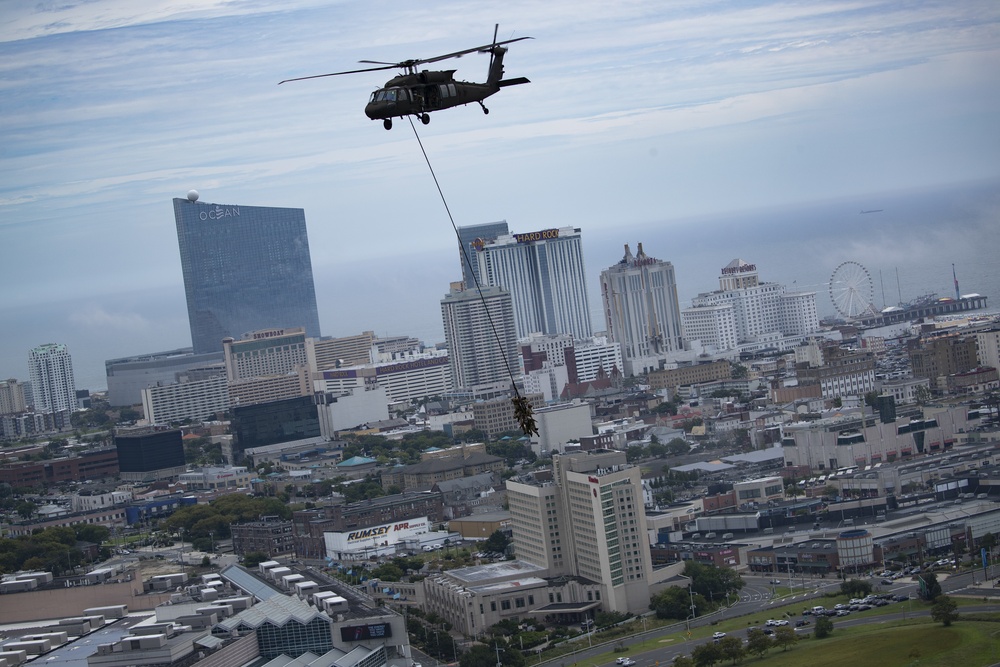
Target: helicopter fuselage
417,94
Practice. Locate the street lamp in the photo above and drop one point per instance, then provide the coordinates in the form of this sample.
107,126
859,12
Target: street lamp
497,646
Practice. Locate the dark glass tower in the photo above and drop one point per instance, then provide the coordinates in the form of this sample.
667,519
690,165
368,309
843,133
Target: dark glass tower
471,236
246,268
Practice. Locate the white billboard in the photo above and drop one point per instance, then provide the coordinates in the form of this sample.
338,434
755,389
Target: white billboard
373,539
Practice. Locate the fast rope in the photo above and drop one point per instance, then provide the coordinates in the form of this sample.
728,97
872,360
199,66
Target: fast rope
522,408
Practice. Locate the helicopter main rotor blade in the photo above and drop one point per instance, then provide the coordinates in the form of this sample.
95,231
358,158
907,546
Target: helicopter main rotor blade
459,54
408,64
353,71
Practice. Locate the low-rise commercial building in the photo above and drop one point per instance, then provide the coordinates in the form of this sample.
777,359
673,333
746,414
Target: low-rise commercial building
271,535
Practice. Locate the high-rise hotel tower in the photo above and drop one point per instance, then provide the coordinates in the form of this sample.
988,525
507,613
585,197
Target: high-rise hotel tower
544,273
50,369
246,268
479,330
641,310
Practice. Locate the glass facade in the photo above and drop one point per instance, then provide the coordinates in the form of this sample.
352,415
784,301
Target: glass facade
274,422
246,268
294,638
468,242
149,451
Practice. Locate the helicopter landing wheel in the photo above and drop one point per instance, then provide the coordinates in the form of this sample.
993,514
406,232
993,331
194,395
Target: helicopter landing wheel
387,123
485,110
425,118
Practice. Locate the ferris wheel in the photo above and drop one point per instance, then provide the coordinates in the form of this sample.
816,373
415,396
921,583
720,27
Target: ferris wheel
852,291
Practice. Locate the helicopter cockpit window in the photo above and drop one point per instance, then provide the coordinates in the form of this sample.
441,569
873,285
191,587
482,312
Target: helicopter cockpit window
389,95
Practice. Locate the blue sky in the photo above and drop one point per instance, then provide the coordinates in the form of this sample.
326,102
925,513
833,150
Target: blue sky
638,113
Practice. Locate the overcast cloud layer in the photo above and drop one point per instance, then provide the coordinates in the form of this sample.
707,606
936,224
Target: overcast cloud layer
637,113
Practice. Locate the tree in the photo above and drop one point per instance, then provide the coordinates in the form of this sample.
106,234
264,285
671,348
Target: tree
89,532
497,542
706,655
855,588
675,602
25,509
634,453
682,661
945,610
712,582
678,446
478,656
732,649
254,558
758,643
784,637
921,394
388,572
824,628
929,588
871,399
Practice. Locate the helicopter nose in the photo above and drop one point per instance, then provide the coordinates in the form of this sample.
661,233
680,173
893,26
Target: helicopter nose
379,110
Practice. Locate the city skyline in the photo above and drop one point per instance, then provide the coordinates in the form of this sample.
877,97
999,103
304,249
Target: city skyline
636,118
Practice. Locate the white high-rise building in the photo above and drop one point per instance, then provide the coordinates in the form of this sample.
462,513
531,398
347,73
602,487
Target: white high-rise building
589,522
12,399
988,347
641,309
50,368
544,273
479,331
744,310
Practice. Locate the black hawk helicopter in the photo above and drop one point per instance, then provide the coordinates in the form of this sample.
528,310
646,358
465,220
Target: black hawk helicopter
418,93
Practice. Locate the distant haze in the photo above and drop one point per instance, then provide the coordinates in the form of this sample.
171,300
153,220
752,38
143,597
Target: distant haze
919,233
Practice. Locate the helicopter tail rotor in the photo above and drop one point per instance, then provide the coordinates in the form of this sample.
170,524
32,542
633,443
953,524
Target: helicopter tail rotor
493,46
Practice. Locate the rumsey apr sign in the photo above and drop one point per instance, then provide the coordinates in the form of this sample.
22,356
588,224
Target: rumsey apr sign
375,536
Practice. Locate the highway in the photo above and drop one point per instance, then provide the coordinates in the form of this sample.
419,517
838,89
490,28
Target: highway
757,597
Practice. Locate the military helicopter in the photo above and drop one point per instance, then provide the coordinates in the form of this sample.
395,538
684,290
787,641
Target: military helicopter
418,93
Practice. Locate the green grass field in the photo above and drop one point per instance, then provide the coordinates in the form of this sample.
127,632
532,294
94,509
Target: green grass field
966,643
923,643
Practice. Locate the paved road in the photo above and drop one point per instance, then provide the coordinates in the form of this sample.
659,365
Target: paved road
757,597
